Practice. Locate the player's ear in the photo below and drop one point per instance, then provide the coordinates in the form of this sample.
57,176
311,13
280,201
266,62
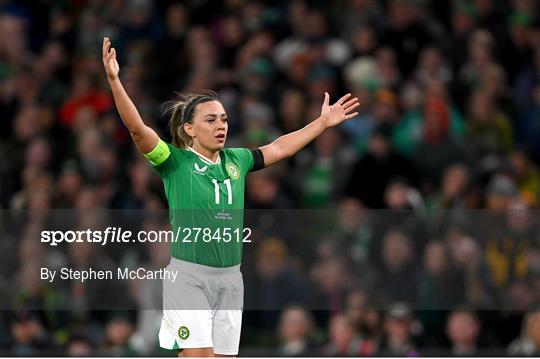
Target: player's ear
188,129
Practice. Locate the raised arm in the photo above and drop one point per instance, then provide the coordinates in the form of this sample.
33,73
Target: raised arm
289,144
145,138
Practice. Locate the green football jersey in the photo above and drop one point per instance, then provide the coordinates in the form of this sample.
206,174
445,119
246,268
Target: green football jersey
206,202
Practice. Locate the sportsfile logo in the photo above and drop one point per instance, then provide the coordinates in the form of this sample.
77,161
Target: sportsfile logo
200,170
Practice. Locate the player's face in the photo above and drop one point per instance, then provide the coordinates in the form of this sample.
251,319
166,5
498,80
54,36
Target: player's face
209,127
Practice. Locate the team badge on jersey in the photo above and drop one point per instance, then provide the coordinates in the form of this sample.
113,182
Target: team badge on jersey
183,332
232,170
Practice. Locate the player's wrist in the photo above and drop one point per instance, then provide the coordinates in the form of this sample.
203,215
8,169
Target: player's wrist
112,78
324,121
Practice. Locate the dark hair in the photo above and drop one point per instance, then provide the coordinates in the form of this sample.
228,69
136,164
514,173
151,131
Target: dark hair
182,111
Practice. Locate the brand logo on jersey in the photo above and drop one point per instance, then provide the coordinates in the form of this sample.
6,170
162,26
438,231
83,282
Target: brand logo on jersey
200,170
232,170
183,332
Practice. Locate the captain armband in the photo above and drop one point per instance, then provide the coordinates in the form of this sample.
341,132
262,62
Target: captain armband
159,154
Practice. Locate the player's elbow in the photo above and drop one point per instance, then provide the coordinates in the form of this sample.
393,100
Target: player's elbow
138,131
139,136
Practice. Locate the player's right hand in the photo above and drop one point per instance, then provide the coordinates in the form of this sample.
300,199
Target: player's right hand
109,60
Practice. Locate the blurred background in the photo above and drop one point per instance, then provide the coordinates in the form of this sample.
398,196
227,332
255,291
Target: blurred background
436,248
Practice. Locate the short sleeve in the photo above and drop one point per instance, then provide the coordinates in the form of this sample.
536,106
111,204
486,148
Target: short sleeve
245,159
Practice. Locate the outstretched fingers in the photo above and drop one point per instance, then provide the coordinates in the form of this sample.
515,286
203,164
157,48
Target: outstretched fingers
351,105
106,46
351,115
343,99
108,51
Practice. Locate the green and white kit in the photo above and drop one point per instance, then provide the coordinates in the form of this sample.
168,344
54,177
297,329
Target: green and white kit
206,201
203,194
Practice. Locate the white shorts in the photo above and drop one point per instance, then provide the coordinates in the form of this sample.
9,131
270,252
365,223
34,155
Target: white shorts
202,308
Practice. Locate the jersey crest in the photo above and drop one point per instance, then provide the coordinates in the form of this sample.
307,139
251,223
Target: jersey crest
232,170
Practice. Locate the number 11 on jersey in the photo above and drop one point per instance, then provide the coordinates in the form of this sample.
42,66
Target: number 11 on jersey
227,183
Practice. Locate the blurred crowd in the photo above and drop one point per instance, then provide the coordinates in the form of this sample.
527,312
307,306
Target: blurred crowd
434,248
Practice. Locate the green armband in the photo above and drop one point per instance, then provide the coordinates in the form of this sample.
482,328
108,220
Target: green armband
159,154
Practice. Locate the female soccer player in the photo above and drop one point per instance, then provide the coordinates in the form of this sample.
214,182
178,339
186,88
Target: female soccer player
203,310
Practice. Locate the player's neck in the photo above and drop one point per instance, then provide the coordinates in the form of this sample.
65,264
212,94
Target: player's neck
213,156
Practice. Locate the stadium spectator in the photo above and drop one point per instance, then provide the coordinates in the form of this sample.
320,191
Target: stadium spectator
358,313
528,344
440,285
333,280
354,234
323,172
79,344
451,196
295,330
463,329
507,245
406,33
383,164
399,328
527,177
30,337
490,129
467,256
117,332
274,284
395,280
344,339
85,92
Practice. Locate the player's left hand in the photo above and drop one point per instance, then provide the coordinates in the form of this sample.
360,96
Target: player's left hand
335,114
